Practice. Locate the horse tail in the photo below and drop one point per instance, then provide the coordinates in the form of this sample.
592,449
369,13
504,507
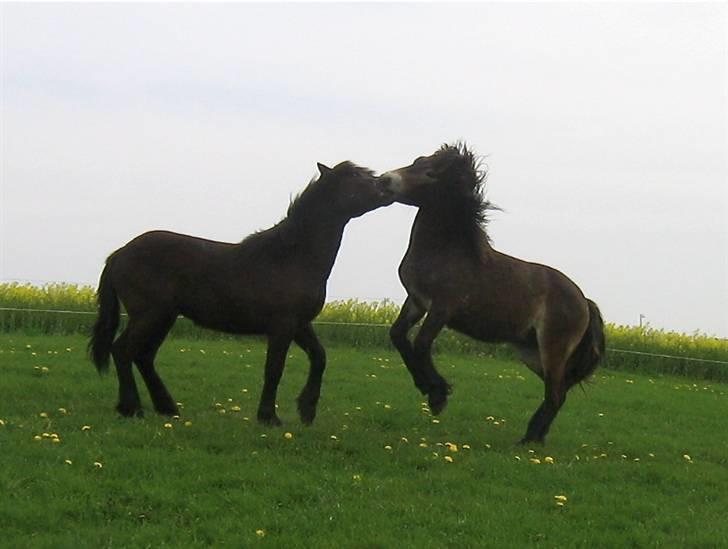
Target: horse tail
590,350
107,321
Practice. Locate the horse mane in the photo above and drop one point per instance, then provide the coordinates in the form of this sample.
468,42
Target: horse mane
283,234
471,175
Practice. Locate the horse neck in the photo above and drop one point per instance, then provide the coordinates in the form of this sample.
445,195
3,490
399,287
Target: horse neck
318,240
434,227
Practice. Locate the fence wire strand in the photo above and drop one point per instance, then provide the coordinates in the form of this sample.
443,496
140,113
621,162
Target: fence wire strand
375,325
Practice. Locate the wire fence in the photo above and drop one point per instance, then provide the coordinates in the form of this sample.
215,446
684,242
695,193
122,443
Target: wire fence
382,325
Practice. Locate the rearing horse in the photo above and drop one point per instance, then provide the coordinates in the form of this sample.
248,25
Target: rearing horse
273,283
456,278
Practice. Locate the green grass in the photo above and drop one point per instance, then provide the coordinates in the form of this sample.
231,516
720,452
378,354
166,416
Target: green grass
222,478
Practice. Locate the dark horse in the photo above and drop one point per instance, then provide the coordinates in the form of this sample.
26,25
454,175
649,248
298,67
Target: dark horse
272,283
454,276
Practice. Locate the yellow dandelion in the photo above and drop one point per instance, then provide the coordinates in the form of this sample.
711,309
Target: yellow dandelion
435,421
356,477
56,440
548,459
44,369
222,411
535,460
334,437
188,423
466,446
46,435
54,435
235,408
559,503
98,465
63,411
86,428
404,439
260,533
487,446
37,437
175,417
423,445
387,407
167,425
451,447
2,422
687,457
43,414
67,462
288,436
489,418
449,459
518,458
387,447
561,498
651,455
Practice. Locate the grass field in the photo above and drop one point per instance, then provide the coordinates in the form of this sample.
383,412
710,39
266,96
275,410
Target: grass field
641,461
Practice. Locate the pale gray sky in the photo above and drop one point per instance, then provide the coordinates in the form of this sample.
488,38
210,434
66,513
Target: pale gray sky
605,127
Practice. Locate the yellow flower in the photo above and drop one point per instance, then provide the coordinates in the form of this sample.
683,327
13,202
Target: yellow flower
43,414
288,436
535,460
687,457
98,465
466,446
333,437
357,477
2,422
451,447
188,423
561,498
449,459
67,462
548,459
560,503
86,428
167,425
37,437
435,421
235,408
56,440
387,447
63,411
404,439
260,533
423,445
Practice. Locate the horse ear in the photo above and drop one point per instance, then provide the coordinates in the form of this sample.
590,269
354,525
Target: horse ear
323,169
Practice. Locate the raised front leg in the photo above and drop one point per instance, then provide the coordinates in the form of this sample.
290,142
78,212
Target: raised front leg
309,397
275,360
409,315
422,352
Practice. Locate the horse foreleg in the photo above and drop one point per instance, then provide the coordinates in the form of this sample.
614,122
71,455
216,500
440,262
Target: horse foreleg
422,351
409,315
306,339
275,360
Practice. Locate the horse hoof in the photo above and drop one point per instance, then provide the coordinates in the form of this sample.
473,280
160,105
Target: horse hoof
130,411
437,403
271,421
307,415
168,410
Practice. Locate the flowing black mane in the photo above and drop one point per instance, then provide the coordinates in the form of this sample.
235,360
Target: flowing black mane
456,165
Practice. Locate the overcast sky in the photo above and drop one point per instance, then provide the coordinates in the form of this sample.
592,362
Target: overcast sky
605,128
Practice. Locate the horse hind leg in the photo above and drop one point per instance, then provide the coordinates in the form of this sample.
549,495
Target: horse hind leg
553,366
129,403
150,340
308,399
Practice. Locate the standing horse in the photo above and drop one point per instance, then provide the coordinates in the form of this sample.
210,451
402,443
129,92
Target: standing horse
272,283
453,275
